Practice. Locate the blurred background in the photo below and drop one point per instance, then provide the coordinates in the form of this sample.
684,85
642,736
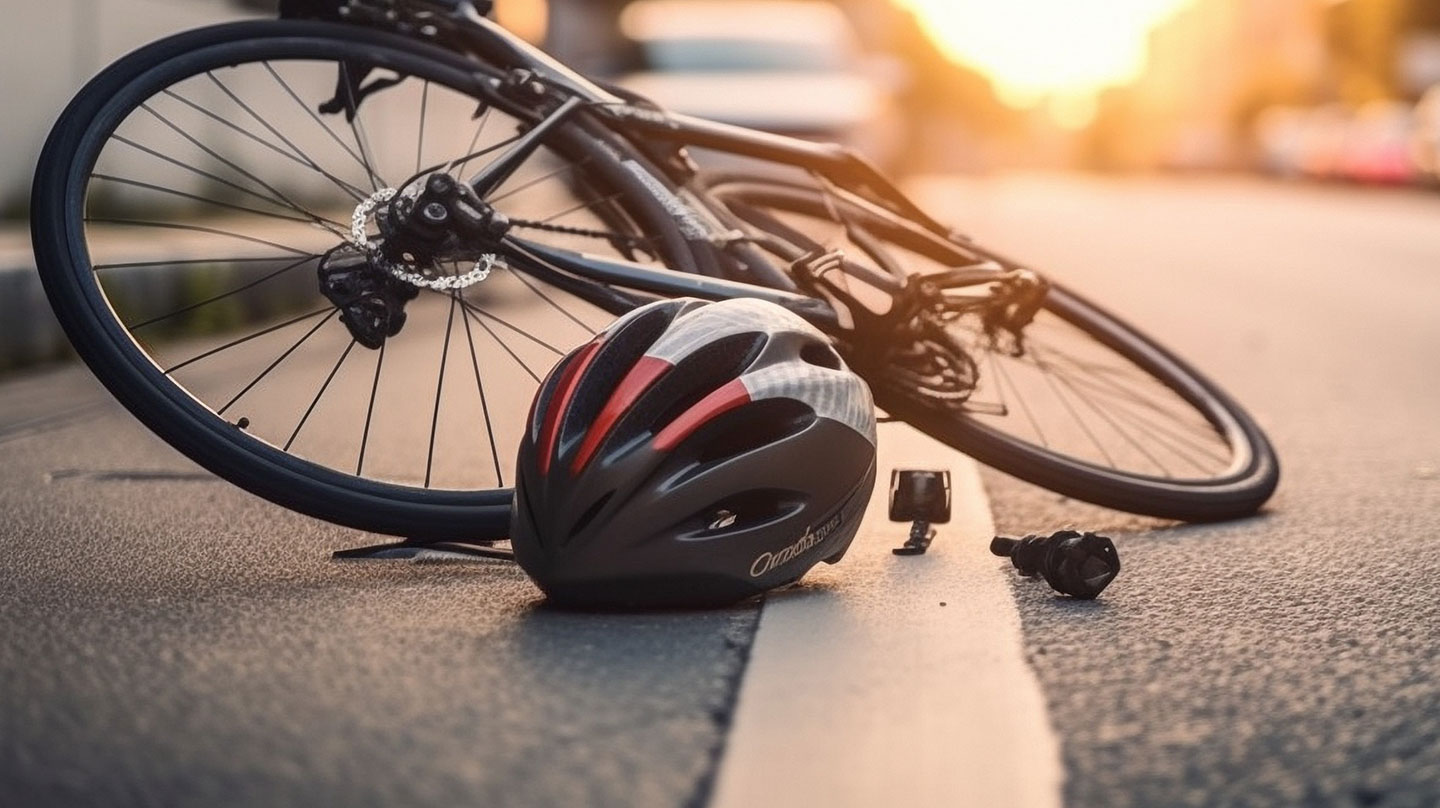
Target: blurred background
1331,90
1336,92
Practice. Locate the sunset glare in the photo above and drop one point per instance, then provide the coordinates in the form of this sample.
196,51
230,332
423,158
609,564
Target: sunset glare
1056,50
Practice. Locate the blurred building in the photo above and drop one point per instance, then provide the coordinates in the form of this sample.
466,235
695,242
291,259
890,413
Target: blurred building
48,50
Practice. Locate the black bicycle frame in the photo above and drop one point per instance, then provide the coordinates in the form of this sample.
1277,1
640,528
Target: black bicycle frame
644,125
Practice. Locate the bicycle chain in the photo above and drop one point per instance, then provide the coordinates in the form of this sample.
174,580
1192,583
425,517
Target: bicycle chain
629,241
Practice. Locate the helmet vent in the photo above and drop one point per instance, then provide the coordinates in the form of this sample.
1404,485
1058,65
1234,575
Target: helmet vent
621,350
704,371
751,427
821,355
589,515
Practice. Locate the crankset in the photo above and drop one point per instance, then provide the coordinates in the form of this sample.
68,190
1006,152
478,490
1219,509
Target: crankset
914,342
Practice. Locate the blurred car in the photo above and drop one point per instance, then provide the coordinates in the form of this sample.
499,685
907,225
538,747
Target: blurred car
1425,134
1279,132
1376,146
1323,130
794,67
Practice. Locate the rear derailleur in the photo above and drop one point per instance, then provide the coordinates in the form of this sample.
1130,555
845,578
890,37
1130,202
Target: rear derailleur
371,279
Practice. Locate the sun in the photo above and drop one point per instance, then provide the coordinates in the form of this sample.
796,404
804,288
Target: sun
1058,51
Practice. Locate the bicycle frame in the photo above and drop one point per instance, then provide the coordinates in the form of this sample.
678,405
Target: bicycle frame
470,30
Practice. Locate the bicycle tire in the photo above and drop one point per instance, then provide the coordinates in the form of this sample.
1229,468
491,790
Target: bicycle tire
1240,491
58,223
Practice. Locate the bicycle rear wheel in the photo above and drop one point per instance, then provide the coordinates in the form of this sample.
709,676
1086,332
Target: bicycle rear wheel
1091,408
183,208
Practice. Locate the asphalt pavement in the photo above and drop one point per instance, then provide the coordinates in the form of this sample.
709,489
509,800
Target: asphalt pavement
171,640
1293,658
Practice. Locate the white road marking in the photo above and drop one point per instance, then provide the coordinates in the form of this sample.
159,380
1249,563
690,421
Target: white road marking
862,689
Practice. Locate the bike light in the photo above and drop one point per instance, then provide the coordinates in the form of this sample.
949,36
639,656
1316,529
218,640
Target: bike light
920,496
1077,564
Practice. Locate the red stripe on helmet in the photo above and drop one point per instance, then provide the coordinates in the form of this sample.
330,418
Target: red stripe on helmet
646,370
721,401
560,401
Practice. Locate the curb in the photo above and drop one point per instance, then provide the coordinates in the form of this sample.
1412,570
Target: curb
29,332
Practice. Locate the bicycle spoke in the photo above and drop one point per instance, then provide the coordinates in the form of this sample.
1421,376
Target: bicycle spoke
582,206
370,412
439,389
338,140
484,402
281,201
522,332
459,163
476,155
1175,444
532,183
1024,406
299,152
999,388
1125,395
1154,430
1055,388
520,276
197,229
420,142
234,169
350,190
197,198
1109,419
276,363
227,346
504,166
357,128
221,296
316,401
191,262
1200,430
285,201
503,345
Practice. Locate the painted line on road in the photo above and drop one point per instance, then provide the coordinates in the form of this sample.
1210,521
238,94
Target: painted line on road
863,689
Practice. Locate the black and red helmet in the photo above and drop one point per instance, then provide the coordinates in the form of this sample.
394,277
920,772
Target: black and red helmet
692,454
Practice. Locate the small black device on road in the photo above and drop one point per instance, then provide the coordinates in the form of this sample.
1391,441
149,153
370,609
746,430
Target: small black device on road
1077,564
922,498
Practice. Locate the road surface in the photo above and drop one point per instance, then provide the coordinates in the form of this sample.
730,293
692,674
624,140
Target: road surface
169,639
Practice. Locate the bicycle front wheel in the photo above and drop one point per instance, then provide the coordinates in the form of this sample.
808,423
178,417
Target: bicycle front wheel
184,209
1090,408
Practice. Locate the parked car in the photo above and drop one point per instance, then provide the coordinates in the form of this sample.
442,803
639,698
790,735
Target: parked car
793,67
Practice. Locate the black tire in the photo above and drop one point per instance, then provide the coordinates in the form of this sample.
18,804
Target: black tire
1237,490
58,223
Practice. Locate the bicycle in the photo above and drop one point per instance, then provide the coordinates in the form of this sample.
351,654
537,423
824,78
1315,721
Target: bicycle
366,191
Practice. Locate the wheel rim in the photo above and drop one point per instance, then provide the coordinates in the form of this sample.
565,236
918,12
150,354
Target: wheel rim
211,162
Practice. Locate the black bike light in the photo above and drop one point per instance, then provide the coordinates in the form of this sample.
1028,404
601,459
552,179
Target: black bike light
920,496
1077,564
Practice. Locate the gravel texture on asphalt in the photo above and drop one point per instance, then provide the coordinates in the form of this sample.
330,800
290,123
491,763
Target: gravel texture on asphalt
170,640
1285,660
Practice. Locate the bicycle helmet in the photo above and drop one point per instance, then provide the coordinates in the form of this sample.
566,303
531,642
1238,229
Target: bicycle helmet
693,454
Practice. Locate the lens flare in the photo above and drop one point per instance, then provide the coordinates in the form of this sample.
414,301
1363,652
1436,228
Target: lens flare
1034,50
